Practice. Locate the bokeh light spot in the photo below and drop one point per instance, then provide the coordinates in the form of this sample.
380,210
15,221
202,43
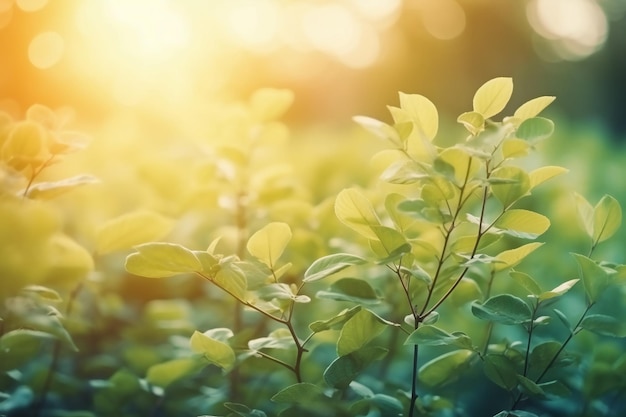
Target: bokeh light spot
254,23
443,19
46,49
31,5
332,28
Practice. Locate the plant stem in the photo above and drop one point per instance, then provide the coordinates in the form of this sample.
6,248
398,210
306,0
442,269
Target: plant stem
530,336
414,378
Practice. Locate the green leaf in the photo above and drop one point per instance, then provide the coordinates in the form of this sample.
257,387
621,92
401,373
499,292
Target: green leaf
514,148
595,278
48,323
535,129
555,389
509,184
302,392
160,260
422,112
334,322
131,229
521,223
526,281
331,264
512,257
278,339
242,410
231,279
558,291
463,164
543,174
17,347
445,368
43,293
211,344
607,218
563,318
164,374
585,213
543,354
533,107
604,325
503,308
390,244
342,371
380,129
351,289
473,121
501,371
269,243
388,405
354,210
530,387
359,330
491,98
428,335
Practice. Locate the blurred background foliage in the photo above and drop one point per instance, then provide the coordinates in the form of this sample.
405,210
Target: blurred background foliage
161,85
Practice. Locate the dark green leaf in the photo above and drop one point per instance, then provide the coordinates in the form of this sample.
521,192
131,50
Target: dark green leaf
243,410
530,387
501,371
543,354
300,393
351,289
428,335
342,371
604,325
445,368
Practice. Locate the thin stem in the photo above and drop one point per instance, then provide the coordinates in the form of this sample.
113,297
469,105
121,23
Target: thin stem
36,174
530,336
276,360
414,394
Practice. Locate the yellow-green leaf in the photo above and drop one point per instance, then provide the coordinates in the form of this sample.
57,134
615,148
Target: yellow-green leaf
523,223
354,210
585,213
532,107
559,290
132,229
380,129
473,121
512,257
212,346
509,184
465,166
514,148
358,331
607,218
232,280
491,98
422,112
445,368
160,260
543,174
163,374
268,243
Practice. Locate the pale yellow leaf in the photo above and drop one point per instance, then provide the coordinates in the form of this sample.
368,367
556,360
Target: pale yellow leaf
355,211
422,112
541,175
532,108
268,243
132,229
491,98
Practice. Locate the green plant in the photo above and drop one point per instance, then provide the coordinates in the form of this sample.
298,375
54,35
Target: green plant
448,238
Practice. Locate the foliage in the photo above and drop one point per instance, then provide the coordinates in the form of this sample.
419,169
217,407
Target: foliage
409,296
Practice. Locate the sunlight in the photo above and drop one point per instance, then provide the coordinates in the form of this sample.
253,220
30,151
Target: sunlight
576,28
254,23
46,49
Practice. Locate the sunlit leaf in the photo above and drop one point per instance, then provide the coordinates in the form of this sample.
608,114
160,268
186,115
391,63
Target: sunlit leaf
585,213
268,243
514,148
543,174
380,129
465,166
604,325
445,368
595,278
607,218
232,280
334,322
473,121
559,290
503,308
521,223
278,339
422,112
533,107
51,189
163,374
491,98
389,242
159,260
358,331
512,257
131,229
526,281
331,264
342,371
355,211
509,184
535,129
213,347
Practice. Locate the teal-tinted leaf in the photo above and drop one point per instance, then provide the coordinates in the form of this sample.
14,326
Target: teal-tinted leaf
303,392
163,374
604,325
543,354
607,218
361,390
501,371
243,410
526,281
21,398
358,331
19,346
563,318
535,129
388,405
212,346
445,368
159,260
342,371
503,308
555,389
331,264
530,387
594,277
351,289
515,413
334,322
428,335
559,290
